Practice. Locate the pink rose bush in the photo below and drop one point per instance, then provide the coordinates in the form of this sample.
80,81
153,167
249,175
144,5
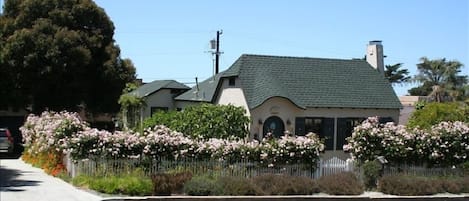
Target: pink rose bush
50,130
445,144
67,133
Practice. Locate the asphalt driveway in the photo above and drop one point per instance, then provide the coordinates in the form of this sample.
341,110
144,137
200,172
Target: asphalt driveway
22,182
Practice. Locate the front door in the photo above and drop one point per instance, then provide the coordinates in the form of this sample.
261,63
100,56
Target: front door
274,125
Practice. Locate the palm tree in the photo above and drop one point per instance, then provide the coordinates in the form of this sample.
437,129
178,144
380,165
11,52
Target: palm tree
442,76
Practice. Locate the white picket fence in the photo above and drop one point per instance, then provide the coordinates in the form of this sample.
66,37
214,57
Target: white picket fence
241,168
334,166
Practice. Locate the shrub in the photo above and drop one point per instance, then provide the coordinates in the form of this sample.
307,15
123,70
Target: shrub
170,182
345,183
445,144
371,172
205,121
456,185
452,186
45,138
135,186
433,113
300,186
179,179
127,185
272,184
410,185
201,186
237,186
161,184
64,132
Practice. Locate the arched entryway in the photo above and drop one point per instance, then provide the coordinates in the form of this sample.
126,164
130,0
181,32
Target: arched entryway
274,125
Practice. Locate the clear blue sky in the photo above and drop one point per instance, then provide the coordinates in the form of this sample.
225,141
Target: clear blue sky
170,39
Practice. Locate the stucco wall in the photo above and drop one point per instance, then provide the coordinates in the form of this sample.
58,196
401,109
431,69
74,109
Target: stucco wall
162,98
287,111
233,95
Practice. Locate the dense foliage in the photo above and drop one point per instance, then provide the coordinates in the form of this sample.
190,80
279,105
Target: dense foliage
433,113
131,105
440,79
60,55
444,144
205,121
395,75
45,138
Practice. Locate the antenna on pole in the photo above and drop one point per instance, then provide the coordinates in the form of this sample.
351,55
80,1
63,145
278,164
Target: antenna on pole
215,45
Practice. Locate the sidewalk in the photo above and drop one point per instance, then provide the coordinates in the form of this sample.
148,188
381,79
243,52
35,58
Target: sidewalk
22,182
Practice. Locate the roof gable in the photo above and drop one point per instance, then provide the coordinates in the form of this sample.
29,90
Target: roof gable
152,87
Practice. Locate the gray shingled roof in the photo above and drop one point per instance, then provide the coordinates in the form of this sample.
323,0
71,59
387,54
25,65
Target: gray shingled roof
205,91
152,87
312,82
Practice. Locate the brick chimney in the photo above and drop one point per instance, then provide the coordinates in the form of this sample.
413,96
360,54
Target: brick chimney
375,56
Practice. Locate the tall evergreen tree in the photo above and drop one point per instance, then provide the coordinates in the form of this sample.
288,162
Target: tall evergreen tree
60,54
395,74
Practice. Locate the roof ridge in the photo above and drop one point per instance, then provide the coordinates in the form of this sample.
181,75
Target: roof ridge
298,57
168,82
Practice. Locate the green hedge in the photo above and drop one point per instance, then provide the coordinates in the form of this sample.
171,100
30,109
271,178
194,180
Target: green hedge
204,121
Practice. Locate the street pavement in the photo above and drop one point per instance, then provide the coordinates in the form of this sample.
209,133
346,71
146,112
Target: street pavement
22,182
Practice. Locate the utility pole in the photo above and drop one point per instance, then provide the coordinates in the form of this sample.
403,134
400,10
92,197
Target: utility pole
216,45
217,53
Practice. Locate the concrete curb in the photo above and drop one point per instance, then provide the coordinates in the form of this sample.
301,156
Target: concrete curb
369,196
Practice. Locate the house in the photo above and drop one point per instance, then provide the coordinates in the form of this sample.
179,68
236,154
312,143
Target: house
159,95
299,95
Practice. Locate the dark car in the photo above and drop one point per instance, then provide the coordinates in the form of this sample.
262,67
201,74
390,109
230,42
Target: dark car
6,141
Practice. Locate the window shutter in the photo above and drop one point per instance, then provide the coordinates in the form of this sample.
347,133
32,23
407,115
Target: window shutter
341,132
328,132
300,126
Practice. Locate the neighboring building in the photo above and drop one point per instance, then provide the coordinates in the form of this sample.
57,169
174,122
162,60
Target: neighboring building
301,95
408,107
159,95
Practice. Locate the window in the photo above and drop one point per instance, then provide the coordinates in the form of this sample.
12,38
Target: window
324,127
232,81
154,110
313,125
384,120
345,128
